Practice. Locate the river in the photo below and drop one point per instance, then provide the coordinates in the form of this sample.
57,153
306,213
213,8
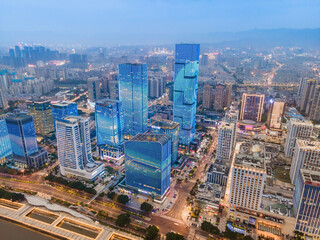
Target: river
11,231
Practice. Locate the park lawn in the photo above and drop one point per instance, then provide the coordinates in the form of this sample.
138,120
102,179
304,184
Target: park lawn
282,174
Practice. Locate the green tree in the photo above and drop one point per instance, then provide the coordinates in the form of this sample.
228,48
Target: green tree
111,195
124,199
123,220
146,207
174,236
208,227
152,232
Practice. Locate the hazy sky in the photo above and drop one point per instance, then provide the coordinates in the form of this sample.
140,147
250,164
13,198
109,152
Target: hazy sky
117,21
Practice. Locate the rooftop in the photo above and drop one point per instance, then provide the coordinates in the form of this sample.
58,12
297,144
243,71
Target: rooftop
143,137
163,123
309,145
61,103
18,116
106,102
311,177
250,155
300,121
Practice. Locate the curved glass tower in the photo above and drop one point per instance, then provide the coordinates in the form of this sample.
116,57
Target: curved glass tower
185,90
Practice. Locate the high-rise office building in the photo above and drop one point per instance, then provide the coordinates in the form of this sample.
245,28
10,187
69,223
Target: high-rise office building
207,96
148,164
40,110
185,90
113,87
5,144
204,59
74,149
252,107
296,128
275,114
306,203
227,95
226,141
23,141
306,155
63,109
219,97
248,177
94,90
314,112
109,128
307,94
3,101
163,126
133,89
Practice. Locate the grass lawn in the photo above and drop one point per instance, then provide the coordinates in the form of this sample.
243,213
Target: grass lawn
282,174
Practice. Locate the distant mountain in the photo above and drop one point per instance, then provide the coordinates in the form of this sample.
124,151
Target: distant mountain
267,38
305,38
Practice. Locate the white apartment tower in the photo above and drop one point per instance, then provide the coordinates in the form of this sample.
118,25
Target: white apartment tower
226,141
247,177
74,149
306,155
296,128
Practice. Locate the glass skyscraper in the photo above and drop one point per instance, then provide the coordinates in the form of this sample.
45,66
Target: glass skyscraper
148,163
109,122
167,127
5,144
185,90
63,109
22,134
133,90
42,116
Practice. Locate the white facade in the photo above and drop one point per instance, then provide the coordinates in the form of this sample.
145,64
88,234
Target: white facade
306,156
296,128
3,101
74,149
226,141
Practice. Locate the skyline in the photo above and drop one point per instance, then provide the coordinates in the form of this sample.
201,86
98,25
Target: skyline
143,22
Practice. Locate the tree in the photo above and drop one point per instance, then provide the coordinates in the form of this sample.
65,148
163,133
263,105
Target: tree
111,195
208,227
174,236
123,199
146,207
152,232
247,238
123,220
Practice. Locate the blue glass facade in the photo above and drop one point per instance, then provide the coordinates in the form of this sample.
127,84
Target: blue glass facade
109,122
148,163
5,144
306,202
133,91
185,90
22,135
171,128
61,110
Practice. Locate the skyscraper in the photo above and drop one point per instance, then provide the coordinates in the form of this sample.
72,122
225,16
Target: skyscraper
3,101
207,96
307,94
275,113
167,127
41,112
227,95
133,89
109,126
94,90
23,140
63,109
74,149
248,177
5,144
219,97
252,107
226,141
296,128
148,164
306,155
306,203
314,112
185,90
